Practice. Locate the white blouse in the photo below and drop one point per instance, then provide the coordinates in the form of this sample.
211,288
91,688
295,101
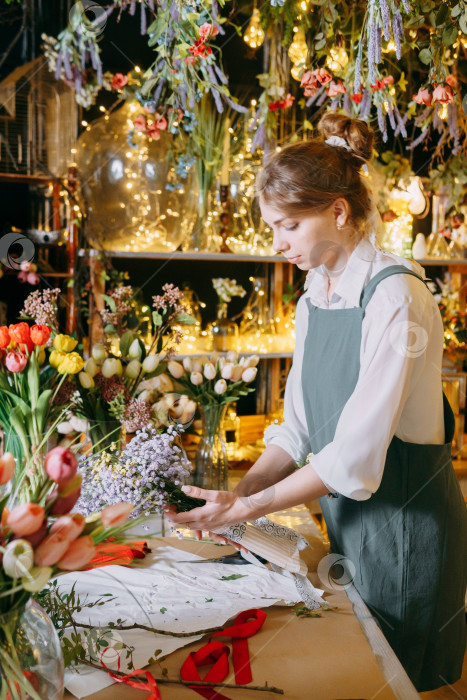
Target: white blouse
399,389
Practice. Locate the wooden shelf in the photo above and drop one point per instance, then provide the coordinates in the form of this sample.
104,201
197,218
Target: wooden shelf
452,262
23,179
261,355
214,257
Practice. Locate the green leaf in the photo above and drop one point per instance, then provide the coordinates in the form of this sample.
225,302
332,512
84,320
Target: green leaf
156,318
456,11
232,577
163,610
185,318
110,301
320,45
109,329
442,14
463,23
449,36
41,409
425,56
125,342
33,378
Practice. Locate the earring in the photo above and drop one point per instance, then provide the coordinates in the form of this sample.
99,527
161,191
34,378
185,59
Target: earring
339,226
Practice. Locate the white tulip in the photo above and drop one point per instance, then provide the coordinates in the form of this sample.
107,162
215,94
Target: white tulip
253,361
99,352
214,358
133,369
220,387
176,369
36,578
165,384
81,425
209,370
91,367
134,351
86,381
237,373
111,366
226,371
188,365
17,558
64,428
196,365
243,361
188,413
150,363
222,362
196,378
231,356
249,374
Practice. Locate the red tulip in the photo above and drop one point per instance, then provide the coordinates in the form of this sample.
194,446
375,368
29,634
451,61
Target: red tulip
113,516
4,337
19,332
60,464
66,496
37,537
25,519
51,549
7,467
69,526
40,334
79,553
423,97
16,361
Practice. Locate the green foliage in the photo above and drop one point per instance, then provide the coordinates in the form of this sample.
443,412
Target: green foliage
232,577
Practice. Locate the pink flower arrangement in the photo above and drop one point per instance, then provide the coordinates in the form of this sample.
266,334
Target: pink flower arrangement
443,94
335,88
423,97
15,362
282,104
140,123
208,31
312,80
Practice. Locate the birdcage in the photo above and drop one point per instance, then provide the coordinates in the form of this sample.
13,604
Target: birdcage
38,121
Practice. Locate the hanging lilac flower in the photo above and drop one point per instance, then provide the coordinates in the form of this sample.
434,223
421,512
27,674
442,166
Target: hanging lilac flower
235,105
224,80
66,65
358,74
217,100
259,139
421,117
392,121
334,104
158,90
382,122
347,104
84,56
215,14
437,121
385,18
151,5
143,24
378,45
406,6
132,7
212,75
401,122
322,99
418,140
398,30
371,53
58,67
365,104
452,119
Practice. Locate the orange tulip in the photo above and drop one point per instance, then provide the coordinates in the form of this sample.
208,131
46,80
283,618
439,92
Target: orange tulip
4,337
51,549
40,334
7,468
79,553
19,332
69,526
113,516
25,519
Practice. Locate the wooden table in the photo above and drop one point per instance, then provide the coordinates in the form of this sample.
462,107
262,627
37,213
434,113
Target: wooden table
327,658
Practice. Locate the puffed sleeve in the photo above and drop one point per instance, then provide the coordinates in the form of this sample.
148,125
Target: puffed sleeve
401,335
292,434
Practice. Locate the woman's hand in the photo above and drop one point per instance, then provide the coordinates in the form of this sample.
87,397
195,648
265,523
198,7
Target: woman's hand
222,508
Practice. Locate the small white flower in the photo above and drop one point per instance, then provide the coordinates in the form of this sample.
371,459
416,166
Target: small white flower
18,558
81,425
209,370
249,374
176,369
196,378
220,387
64,428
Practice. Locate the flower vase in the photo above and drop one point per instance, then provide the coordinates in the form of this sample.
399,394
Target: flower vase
105,433
31,660
224,332
211,463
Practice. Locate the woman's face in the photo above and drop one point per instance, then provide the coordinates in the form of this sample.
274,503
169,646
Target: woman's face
309,240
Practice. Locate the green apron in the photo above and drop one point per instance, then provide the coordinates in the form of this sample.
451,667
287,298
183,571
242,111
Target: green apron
408,541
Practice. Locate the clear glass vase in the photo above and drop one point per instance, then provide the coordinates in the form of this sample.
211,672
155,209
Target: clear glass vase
223,331
211,462
31,660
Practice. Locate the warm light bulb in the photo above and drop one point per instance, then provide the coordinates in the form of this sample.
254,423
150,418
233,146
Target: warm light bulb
390,47
296,70
417,203
298,50
444,112
254,35
337,59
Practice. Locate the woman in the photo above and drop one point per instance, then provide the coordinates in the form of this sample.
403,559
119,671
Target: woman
364,397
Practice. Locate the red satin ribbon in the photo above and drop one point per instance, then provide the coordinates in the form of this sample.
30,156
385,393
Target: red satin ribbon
109,553
150,683
245,625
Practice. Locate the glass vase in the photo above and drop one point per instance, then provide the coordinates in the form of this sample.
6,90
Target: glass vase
224,332
104,433
211,462
31,660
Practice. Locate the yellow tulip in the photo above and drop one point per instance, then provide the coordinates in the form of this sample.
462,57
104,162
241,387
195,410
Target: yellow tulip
56,358
65,343
72,364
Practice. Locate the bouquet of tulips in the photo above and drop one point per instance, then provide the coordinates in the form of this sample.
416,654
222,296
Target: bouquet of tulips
40,537
28,388
214,379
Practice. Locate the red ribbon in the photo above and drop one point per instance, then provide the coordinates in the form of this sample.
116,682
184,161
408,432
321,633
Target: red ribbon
109,553
150,683
245,625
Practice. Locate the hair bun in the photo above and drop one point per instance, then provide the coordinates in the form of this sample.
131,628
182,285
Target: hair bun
356,132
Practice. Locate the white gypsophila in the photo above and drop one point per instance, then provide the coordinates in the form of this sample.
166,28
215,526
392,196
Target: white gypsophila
227,288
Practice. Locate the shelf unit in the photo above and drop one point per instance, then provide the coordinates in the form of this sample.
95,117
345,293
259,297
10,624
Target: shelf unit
278,274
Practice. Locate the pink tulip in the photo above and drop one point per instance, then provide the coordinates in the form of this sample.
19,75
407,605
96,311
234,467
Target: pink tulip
323,76
16,361
36,538
60,464
423,97
51,549
79,553
309,83
116,515
25,519
22,276
443,94
33,278
65,496
69,526
7,468
25,266
335,88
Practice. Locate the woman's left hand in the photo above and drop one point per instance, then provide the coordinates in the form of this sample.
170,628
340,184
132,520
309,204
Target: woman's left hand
222,508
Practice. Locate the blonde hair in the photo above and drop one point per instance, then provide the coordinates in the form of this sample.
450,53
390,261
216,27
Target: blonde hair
307,177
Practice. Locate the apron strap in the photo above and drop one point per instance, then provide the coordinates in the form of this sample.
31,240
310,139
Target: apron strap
369,290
